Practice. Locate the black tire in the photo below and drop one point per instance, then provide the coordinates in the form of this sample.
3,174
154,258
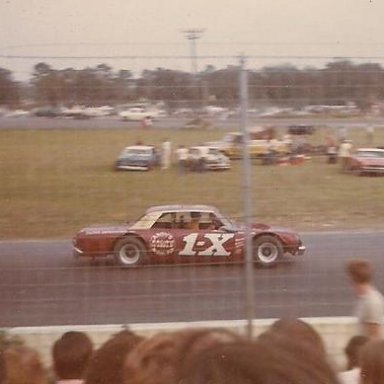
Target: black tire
130,252
267,250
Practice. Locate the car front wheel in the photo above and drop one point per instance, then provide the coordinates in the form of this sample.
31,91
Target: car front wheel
267,250
129,252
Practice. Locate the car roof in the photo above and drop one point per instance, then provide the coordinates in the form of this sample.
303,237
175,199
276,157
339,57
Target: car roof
139,147
380,150
204,147
182,207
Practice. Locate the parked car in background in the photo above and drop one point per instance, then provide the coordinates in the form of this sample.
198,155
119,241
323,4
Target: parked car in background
206,158
366,161
185,234
232,146
301,129
138,158
139,113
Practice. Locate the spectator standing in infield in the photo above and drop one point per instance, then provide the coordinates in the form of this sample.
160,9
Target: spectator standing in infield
345,150
369,308
182,158
166,152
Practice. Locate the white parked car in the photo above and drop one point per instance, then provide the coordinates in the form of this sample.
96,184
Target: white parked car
203,158
141,113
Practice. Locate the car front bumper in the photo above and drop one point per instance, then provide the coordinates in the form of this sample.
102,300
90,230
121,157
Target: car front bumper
133,167
372,169
77,252
301,250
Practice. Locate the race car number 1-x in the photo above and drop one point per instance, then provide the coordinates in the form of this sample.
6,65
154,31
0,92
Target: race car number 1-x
215,244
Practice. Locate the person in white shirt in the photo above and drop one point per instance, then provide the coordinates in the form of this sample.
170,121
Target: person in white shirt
166,151
182,157
345,151
369,307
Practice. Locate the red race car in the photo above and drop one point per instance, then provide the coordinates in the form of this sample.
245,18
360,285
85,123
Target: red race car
185,234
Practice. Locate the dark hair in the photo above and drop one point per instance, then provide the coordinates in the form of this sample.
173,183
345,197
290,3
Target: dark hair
299,331
195,215
106,365
352,350
296,353
359,271
240,362
260,362
71,354
163,358
2,367
372,362
292,361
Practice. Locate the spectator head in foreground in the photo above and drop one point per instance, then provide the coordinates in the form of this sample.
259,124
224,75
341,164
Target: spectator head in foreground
296,354
2,367
372,363
23,365
162,358
236,362
259,362
300,331
106,365
71,354
352,350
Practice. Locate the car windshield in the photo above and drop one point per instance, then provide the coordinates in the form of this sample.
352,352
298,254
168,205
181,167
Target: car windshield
136,151
194,151
213,151
180,220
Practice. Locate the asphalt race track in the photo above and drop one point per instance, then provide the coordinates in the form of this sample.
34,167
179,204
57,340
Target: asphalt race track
112,122
41,284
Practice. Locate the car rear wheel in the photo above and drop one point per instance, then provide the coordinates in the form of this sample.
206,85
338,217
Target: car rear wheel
129,252
267,250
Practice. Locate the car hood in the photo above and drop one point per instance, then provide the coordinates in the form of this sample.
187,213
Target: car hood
266,227
261,227
135,157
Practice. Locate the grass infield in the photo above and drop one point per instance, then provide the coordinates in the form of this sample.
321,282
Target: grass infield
54,182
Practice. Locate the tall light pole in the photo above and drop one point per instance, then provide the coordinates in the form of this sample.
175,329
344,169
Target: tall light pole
192,35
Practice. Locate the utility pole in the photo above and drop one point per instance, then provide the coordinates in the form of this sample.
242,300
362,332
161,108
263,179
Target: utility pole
249,294
192,35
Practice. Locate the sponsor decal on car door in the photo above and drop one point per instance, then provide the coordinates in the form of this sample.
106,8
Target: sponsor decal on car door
206,244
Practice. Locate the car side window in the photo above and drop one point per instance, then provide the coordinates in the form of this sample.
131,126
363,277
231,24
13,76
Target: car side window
165,221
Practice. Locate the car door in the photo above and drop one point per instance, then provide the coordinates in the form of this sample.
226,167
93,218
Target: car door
205,244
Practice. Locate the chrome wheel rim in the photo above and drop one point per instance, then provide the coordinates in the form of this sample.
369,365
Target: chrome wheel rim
267,253
129,254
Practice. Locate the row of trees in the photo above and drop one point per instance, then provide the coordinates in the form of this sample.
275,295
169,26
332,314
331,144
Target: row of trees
337,83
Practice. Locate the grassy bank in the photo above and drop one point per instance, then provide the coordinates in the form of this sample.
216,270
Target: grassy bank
54,182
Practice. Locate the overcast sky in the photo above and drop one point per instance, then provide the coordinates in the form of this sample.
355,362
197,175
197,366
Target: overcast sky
263,29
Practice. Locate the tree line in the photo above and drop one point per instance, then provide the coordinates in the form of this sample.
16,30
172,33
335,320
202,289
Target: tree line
338,83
